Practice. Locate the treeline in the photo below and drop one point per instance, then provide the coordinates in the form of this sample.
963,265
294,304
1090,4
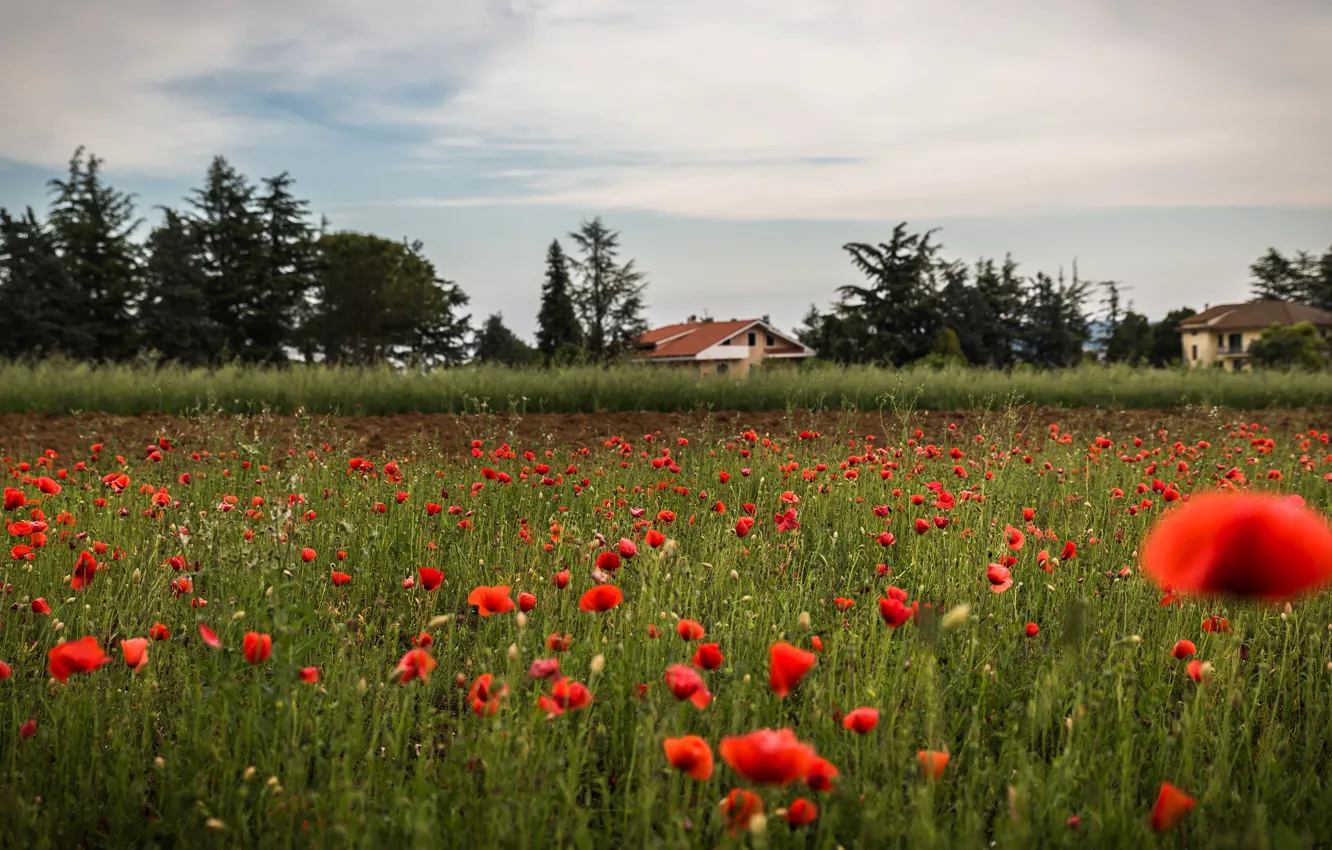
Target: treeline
920,307
242,273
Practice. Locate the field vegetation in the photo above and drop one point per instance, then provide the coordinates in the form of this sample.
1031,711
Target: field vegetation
266,643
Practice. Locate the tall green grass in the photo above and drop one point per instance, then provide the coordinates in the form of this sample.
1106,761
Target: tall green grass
61,388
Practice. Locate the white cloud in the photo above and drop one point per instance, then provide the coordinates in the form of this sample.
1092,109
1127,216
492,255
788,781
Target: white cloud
733,109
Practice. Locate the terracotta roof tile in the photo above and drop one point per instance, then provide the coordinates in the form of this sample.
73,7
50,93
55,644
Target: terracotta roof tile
1255,314
697,336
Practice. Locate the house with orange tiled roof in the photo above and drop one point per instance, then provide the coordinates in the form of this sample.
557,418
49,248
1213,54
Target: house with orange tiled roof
1221,335
719,348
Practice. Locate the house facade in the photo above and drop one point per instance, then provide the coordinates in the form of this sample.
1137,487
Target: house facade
1221,335
719,348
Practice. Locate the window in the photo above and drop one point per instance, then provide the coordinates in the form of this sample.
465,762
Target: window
1195,352
771,341
1236,343
753,339
722,368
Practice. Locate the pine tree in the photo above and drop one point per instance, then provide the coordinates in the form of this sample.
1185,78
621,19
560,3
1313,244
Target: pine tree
1055,321
900,308
1276,277
559,336
289,259
495,343
92,225
609,296
231,238
42,305
174,320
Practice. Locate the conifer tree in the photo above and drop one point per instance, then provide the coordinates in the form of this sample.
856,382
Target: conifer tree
559,336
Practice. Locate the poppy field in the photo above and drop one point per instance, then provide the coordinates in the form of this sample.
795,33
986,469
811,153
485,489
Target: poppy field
941,632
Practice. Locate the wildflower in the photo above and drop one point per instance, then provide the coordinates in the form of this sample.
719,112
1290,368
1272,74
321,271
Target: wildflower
339,579
861,720
787,665
483,696
932,763
708,656
1183,649
490,600
28,729
1244,544
1000,578
135,651
415,664
685,684
740,809
526,602
431,578
1032,630
79,656
1171,806
565,696
743,526
603,597
689,630
257,647
801,812
768,756
308,555
310,675
209,636
690,755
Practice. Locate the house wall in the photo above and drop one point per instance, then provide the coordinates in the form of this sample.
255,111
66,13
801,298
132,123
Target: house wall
1208,347
748,356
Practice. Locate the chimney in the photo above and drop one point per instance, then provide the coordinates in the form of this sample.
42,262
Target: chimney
693,318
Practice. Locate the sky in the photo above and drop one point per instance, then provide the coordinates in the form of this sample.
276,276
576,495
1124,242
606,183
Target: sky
735,145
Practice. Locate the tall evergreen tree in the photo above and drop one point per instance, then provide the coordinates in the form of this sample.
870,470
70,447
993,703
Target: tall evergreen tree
495,343
231,239
278,302
1166,346
899,307
174,319
608,296
42,305
999,312
1055,321
93,226
559,336
1275,276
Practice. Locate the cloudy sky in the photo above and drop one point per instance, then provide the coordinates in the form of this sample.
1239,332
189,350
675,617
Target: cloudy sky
735,144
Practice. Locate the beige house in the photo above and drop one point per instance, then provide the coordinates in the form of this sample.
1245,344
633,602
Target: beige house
719,348
1222,334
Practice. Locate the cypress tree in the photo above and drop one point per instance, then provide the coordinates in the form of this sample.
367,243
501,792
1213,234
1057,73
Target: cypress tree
559,335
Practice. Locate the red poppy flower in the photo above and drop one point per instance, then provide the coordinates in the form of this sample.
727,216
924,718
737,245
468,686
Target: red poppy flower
603,597
739,808
308,554
685,683
561,579
893,608
786,521
414,664
339,579
14,499
84,570
5,671
1000,578
28,729
257,647
1183,649
1216,623
1245,544
431,578
843,604
932,763
40,606
565,695
484,697
801,812
1171,806
1198,671
1014,538
820,774
743,526
690,755
310,675
768,756
79,656
708,656
1032,630
557,642
608,561
922,525
526,602
627,548
490,600
787,665
209,637
861,720
689,629
135,651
